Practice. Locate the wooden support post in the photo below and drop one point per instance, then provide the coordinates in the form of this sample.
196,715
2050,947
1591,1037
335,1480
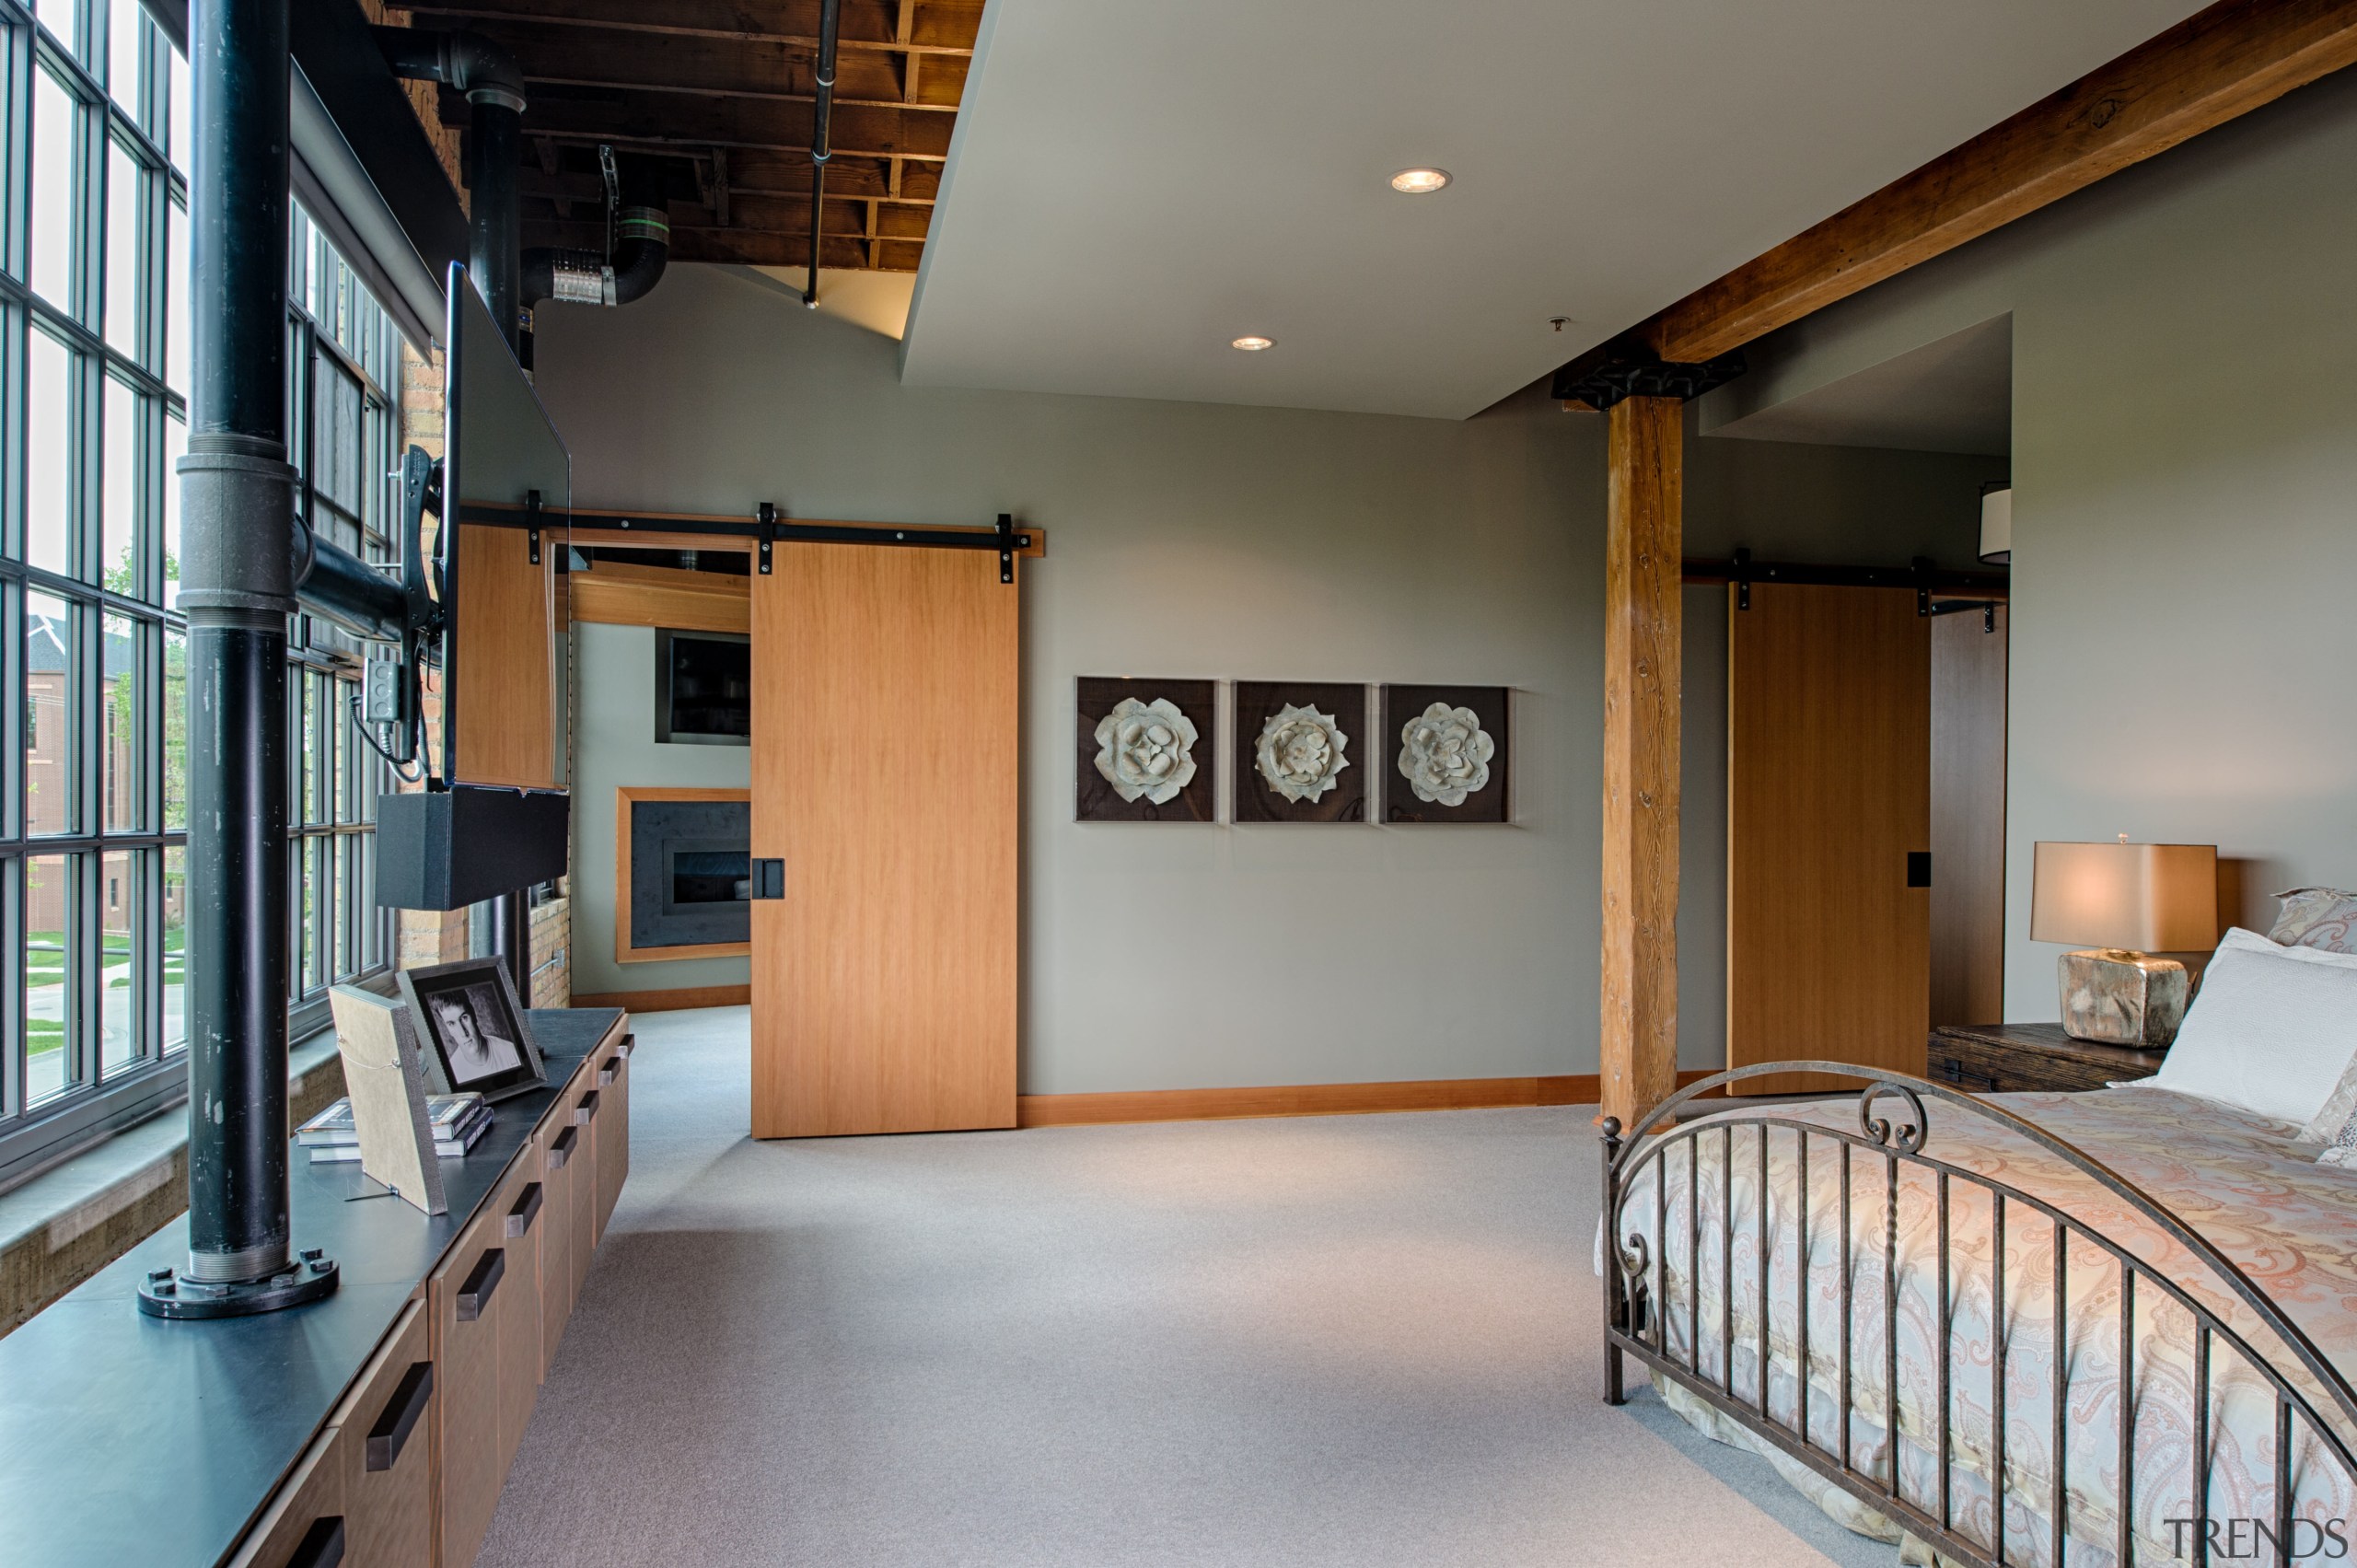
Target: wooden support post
1643,547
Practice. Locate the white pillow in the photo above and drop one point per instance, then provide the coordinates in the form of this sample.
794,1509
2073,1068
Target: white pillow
2272,1031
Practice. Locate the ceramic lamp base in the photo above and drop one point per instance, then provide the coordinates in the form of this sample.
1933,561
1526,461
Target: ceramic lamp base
2122,998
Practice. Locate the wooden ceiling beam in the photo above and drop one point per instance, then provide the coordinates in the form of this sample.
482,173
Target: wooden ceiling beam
590,190
721,19
847,245
751,214
2215,66
921,177
571,56
610,84
670,120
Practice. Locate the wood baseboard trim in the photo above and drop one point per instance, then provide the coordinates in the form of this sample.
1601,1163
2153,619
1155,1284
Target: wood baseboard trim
667,1001
1312,1099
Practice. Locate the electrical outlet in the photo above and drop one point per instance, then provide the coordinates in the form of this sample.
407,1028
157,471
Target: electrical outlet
386,700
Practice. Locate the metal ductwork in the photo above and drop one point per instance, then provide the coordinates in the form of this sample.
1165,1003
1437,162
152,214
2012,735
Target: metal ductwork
641,246
493,85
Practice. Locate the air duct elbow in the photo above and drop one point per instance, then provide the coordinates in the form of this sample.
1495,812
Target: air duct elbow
469,61
641,251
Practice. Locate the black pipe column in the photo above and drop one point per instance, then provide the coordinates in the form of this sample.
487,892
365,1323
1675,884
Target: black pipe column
236,584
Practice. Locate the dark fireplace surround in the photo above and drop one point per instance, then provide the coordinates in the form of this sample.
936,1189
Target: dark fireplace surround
688,865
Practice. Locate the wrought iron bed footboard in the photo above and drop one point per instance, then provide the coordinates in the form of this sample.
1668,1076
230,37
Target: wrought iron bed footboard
2119,1332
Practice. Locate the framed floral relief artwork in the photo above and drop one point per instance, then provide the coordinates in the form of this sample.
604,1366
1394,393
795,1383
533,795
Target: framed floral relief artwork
1300,751
1444,754
1145,751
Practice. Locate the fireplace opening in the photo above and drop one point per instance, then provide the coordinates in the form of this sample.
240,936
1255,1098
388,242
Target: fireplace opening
710,876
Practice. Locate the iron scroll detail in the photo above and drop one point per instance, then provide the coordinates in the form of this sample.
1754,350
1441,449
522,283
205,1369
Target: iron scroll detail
1909,1137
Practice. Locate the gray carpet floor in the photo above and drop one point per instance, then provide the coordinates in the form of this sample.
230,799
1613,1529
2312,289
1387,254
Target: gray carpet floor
1350,1340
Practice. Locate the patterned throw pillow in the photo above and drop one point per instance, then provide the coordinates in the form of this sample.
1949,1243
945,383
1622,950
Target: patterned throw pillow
2325,918
2342,1150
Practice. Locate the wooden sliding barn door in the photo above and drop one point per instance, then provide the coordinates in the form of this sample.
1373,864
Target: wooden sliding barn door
1828,793
884,775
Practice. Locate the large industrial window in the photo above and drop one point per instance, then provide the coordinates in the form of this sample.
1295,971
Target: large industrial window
94,373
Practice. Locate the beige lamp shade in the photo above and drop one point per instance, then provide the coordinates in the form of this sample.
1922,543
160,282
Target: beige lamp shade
2145,897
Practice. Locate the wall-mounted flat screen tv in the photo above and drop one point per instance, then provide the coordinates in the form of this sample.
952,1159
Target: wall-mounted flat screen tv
704,688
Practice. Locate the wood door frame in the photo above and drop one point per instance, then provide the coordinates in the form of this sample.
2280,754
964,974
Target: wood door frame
626,797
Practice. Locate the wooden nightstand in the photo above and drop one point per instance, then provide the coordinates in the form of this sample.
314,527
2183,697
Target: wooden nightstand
2013,1058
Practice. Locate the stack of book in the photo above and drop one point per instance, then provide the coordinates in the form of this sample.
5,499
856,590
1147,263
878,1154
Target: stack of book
457,1121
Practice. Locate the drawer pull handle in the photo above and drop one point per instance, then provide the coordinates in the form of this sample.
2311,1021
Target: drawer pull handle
474,1295
400,1415
586,1109
561,1150
526,1210
609,1072
1957,1073
629,1044
322,1544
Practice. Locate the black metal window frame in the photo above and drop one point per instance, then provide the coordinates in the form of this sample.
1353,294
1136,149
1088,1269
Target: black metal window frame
112,1056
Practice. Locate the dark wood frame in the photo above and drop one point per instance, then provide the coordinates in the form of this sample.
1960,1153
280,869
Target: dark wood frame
1256,703
1493,802
1095,800
491,971
1633,1322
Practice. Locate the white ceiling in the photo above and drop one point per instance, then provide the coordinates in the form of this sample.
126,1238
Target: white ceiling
1135,182
1954,395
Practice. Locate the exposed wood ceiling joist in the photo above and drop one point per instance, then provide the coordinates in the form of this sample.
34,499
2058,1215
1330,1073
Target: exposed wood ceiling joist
723,90
2217,65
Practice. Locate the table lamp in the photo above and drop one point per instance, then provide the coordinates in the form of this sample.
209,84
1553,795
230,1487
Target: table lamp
2121,899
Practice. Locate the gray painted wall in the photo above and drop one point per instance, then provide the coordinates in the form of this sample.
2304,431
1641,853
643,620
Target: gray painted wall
618,751
1239,542
2183,465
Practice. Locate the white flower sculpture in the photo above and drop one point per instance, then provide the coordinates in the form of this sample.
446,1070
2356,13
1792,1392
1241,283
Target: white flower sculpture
1146,748
1301,752
1445,754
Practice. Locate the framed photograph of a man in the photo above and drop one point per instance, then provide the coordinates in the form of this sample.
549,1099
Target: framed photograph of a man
476,1038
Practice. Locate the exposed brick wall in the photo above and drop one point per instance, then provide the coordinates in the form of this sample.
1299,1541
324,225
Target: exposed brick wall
553,950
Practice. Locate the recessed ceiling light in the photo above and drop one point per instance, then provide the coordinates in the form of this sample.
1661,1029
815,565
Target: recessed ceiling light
1252,344
1419,182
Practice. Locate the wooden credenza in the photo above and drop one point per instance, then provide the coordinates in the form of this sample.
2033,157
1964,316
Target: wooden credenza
410,1473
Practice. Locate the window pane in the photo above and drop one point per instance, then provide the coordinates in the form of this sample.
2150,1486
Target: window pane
120,570
126,40
175,300
120,950
306,778
121,703
48,992
315,889
49,452
182,143
335,439
48,713
126,194
55,117
348,958
175,730
57,16
175,449
175,947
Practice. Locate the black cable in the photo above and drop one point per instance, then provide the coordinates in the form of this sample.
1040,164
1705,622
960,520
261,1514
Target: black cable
362,726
